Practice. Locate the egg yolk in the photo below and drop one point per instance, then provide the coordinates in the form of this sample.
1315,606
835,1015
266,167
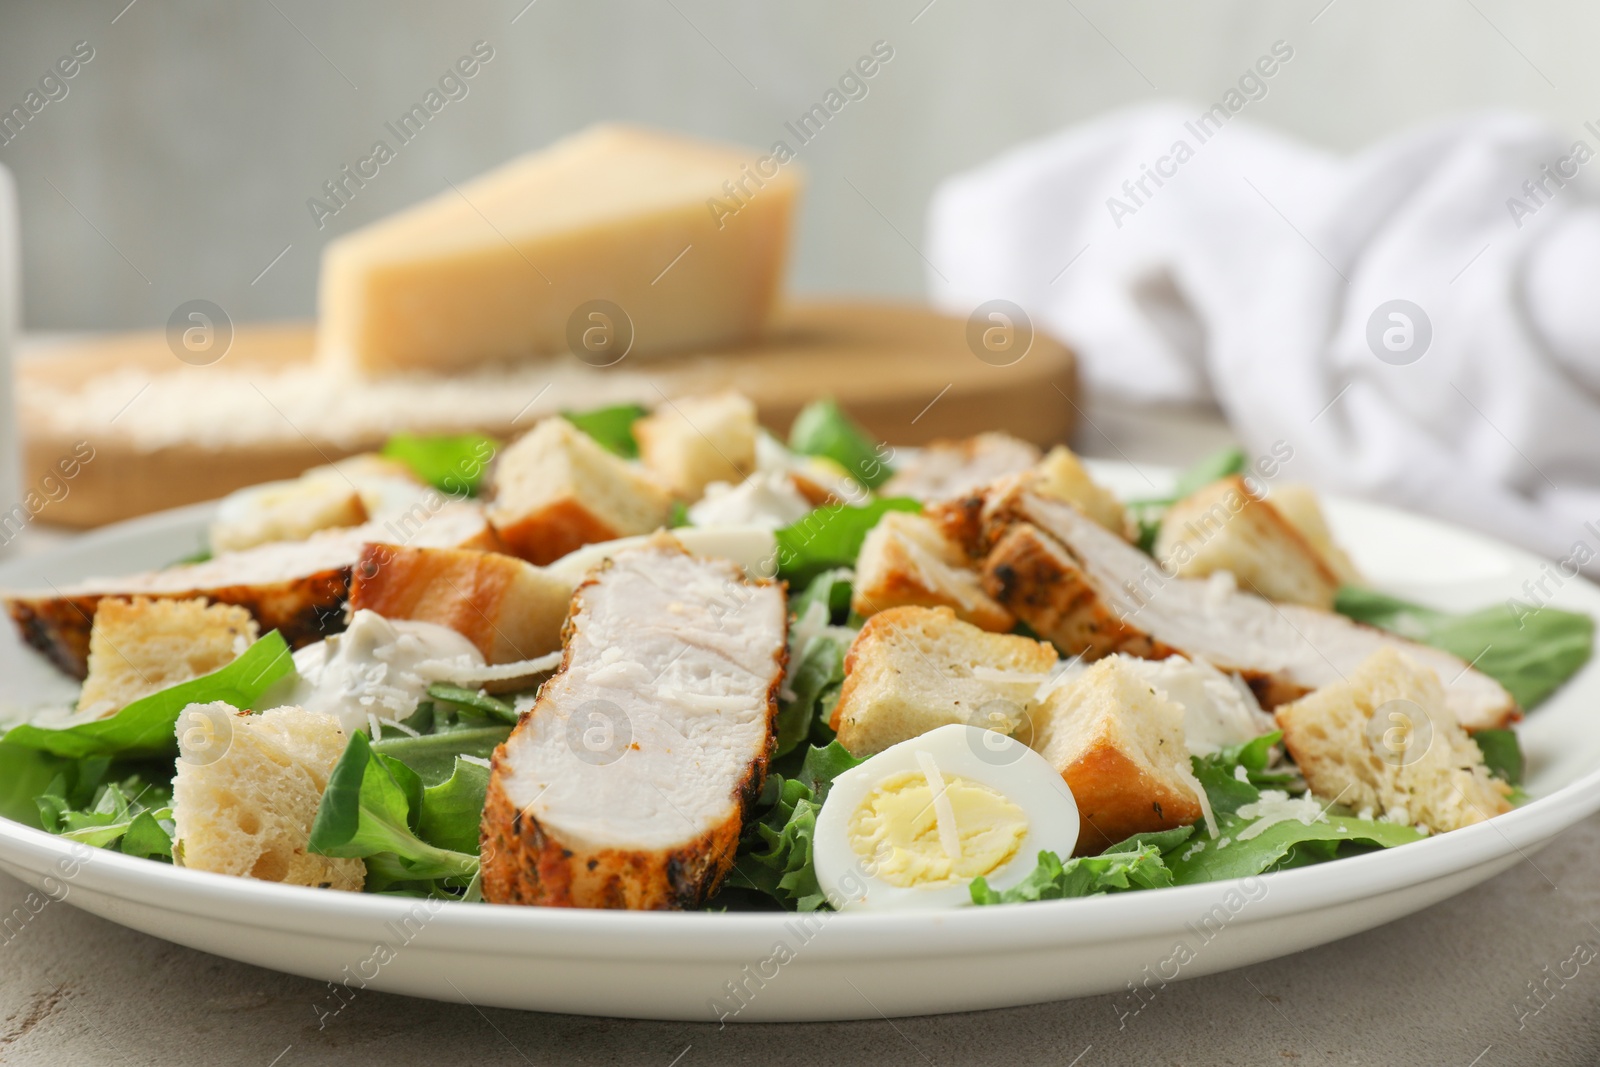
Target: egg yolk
895,831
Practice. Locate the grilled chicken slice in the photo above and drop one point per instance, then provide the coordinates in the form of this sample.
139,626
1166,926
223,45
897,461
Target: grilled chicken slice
628,783
295,587
949,468
1089,591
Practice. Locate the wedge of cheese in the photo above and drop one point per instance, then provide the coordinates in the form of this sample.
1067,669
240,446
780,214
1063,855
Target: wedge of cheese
687,239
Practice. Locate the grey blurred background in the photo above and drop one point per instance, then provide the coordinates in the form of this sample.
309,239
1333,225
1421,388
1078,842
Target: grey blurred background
180,160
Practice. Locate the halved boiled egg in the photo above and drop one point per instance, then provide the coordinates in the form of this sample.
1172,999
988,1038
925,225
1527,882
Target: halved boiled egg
915,824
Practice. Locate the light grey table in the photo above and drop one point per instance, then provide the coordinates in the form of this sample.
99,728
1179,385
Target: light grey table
1452,985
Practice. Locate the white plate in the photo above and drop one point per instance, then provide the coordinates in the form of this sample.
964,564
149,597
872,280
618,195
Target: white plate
783,967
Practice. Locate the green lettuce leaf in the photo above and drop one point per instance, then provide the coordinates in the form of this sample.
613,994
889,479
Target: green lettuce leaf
1109,872
480,702
432,757
1502,754
1148,513
1529,652
372,810
1239,851
611,426
452,811
830,537
1279,846
819,666
147,727
784,868
25,774
1224,463
133,815
455,464
823,429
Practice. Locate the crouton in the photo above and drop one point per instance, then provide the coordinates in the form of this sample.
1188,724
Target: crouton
286,511
1414,765
247,791
947,469
1119,745
510,609
693,442
907,560
914,669
1062,475
1297,502
555,489
140,646
1226,527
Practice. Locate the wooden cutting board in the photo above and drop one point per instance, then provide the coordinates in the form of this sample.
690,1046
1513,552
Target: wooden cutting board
906,373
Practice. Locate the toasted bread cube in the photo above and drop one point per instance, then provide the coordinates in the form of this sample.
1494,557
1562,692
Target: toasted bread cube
1226,527
946,469
286,511
140,646
510,609
1119,744
908,561
1297,502
556,489
913,669
247,791
693,442
1063,476
1415,765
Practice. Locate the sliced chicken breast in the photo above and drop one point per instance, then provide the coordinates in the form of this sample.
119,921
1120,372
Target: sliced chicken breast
296,587
949,468
1091,592
627,784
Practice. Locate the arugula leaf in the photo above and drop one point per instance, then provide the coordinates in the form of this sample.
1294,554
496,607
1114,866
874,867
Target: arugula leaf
453,463
147,726
1281,844
1109,872
371,809
432,757
452,811
823,429
132,813
830,537
149,836
474,699
1502,753
784,869
1241,848
821,666
1163,840
201,554
678,518
1148,513
611,426
26,773
1253,755
831,589
1530,652
1224,463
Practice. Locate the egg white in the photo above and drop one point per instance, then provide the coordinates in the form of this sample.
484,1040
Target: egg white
1002,763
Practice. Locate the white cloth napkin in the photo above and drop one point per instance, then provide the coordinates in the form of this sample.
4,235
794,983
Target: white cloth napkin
1254,273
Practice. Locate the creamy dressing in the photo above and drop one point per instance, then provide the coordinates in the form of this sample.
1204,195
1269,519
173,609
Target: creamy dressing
766,498
1218,710
378,669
